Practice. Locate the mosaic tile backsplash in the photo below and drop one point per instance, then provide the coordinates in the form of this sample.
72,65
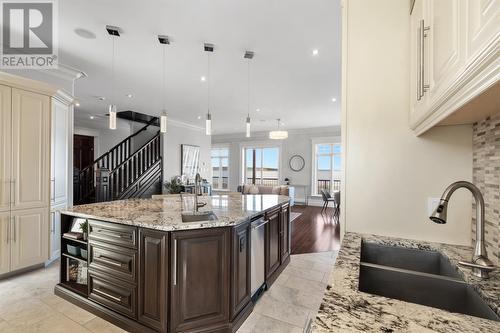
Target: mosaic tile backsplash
486,175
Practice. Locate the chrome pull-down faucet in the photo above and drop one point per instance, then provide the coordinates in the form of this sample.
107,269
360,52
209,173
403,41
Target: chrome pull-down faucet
480,264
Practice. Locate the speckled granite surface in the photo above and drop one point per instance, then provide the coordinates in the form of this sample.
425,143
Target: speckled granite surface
165,213
345,309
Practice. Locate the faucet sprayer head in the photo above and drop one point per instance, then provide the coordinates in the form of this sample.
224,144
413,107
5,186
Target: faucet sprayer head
440,213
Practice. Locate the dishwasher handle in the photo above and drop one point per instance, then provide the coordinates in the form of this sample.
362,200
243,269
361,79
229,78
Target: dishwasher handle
259,223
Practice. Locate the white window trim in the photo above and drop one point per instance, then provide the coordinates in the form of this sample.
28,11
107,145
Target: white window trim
222,146
328,140
259,144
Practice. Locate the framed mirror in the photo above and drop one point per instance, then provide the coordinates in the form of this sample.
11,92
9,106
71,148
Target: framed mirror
190,161
297,163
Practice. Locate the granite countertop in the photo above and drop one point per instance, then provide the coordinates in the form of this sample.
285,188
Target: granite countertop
345,309
165,213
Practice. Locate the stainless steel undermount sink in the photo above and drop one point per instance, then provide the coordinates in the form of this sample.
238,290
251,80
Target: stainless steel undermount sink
418,276
198,217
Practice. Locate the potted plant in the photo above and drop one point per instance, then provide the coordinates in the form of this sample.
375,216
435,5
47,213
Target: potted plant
84,226
174,186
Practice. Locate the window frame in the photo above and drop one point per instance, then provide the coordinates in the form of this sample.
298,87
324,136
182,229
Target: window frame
259,145
333,141
220,174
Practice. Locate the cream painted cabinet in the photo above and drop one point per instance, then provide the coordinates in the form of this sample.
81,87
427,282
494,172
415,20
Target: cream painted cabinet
5,148
453,56
55,231
30,149
5,225
59,153
30,237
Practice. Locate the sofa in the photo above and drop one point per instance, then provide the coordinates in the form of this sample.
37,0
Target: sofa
266,189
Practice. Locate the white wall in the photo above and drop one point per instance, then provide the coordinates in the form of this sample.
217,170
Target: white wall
299,142
390,172
180,133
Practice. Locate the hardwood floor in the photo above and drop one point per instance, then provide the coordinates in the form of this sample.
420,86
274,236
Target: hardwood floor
314,231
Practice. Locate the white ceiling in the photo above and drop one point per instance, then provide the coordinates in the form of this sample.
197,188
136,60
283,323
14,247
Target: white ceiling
287,81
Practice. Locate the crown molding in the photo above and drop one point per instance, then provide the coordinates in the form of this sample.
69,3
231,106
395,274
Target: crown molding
179,123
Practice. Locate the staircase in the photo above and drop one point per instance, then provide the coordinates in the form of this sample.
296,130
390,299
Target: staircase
122,173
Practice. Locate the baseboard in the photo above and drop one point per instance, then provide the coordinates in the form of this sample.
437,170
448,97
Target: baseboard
21,271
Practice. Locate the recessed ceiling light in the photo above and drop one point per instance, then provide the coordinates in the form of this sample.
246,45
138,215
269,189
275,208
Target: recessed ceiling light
199,117
92,117
315,52
334,99
101,98
84,33
77,103
203,79
258,110
129,95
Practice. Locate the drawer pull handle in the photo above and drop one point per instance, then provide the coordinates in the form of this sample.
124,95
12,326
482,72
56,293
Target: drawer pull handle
112,234
109,261
105,294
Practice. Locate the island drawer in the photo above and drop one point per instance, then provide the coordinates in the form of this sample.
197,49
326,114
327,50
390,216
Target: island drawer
118,262
114,294
113,233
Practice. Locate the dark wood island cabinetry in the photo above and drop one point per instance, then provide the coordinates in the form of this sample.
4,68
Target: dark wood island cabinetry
150,280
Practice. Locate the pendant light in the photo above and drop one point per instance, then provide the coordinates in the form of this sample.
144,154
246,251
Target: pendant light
114,32
248,55
163,117
209,48
278,134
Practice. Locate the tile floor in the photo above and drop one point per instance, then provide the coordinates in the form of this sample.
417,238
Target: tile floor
28,303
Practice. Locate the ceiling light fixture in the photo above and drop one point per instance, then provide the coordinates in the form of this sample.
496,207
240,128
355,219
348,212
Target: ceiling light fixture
278,134
258,110
113,32
209,48
248,55
315,52
91,117
334,99
203,79
199,117
129,95
164,40
77,102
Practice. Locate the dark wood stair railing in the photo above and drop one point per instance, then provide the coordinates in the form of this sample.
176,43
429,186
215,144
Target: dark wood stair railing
134,167
84,182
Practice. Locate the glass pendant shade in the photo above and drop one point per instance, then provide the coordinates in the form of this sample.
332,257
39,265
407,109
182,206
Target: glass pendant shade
112,116
163,122
248,127
208,124
278,134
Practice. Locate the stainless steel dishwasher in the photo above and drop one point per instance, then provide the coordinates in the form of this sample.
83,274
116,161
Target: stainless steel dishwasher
257,237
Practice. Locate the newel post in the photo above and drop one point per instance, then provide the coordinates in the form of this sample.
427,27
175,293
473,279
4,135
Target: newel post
102,185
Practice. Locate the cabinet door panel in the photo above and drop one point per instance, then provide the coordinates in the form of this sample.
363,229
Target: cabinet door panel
285,233
272,243
240,271
200,279
5,148
59,152
55,233
153,278
30,237
5,226
483,17
446,44
30,149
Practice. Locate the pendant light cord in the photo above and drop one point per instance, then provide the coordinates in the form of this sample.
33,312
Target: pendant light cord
248,88
163,78
112,69
208,82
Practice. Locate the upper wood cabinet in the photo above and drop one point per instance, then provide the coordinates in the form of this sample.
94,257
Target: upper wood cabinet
30,149
453,58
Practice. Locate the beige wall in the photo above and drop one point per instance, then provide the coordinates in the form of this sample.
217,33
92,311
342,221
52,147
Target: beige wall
391,173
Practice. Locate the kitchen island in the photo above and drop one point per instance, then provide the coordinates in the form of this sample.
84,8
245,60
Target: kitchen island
145,269
347,308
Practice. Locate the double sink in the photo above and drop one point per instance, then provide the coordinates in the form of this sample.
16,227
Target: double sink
418,276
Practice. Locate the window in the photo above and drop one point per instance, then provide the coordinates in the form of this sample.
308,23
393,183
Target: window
261,166
220,168
326,170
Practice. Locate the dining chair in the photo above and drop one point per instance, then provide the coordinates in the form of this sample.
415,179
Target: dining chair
336,199
327,198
